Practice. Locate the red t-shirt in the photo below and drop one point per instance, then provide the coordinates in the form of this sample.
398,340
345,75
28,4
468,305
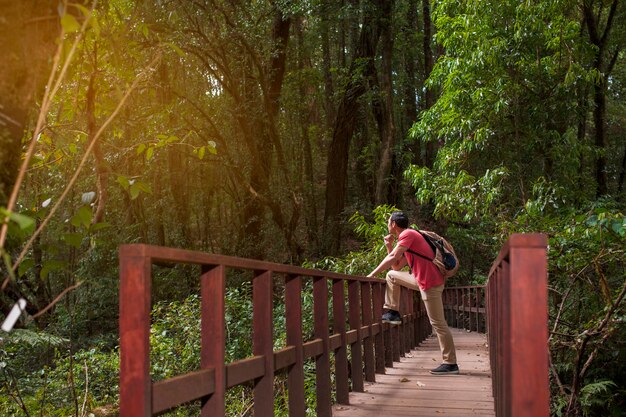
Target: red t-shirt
425,272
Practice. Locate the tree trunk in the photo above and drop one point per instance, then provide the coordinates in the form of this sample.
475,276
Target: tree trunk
337,167
329,90
600,64
387,127
28,30
410,83
269,144
429,98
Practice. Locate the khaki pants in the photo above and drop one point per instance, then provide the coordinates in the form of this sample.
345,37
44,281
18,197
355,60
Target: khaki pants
434,309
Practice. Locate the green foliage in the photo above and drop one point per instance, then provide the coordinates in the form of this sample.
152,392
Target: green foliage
373,249
597,395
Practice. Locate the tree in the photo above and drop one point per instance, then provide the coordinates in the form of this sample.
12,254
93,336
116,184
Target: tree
28,31
361,68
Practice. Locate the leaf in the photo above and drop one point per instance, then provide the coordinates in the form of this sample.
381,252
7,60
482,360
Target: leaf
201,152
24,266
149,153
51,266
141,148
99,226
82,217
137,187
123,181
134,191
73,239
7,264
24,222
69,23
212,147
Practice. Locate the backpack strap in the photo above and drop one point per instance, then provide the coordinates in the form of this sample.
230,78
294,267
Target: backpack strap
419,254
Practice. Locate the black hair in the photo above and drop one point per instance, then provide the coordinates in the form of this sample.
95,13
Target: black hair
401,219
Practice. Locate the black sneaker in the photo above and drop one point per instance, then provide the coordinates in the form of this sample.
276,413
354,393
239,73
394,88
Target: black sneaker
392,316
445,369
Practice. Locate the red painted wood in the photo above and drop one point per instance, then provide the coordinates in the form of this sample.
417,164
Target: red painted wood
295,376
529,316
368,342
517,323
135,286
263,342
402,327
342,382
396,342
181,389
379,342
322,362
213,337
354,318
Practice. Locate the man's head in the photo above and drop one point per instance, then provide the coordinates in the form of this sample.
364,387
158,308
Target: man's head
399,220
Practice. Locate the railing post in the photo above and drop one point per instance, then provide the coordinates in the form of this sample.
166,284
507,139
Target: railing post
518,328
368,342
529,317
354,317
341,354
322,362
213,337
263,342
295,376
379,341
135,286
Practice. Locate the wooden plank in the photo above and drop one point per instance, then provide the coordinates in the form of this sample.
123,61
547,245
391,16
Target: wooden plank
245,370
529,316
322,361
172,392
213,336
263,342
171,256
295,373
408,389
135,383
368,341
313,348
284,358
354,318
379,343
342,382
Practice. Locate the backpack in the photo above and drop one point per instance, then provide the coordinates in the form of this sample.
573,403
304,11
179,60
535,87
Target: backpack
445,258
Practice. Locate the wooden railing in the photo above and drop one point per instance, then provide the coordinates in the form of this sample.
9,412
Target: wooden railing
465,307
350,321
514,303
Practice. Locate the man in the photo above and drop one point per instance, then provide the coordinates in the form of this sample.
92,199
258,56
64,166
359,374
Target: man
423,276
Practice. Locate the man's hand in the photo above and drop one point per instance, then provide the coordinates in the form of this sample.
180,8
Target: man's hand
389,242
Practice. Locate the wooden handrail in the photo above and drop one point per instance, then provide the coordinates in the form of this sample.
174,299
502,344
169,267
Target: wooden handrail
373,344
517,299
465,307
517,322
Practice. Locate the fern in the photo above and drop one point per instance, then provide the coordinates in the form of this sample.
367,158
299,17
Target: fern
596,393
34,338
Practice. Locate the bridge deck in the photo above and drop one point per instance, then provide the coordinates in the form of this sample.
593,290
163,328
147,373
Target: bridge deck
408,389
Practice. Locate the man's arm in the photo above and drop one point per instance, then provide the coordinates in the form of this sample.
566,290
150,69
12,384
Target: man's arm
393,260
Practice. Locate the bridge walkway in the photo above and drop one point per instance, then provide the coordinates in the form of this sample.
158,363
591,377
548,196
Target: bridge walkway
408,389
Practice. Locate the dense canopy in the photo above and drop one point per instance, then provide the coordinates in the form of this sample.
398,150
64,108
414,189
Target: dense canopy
286,130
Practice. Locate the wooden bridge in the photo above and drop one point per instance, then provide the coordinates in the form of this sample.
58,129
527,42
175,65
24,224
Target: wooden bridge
363,367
